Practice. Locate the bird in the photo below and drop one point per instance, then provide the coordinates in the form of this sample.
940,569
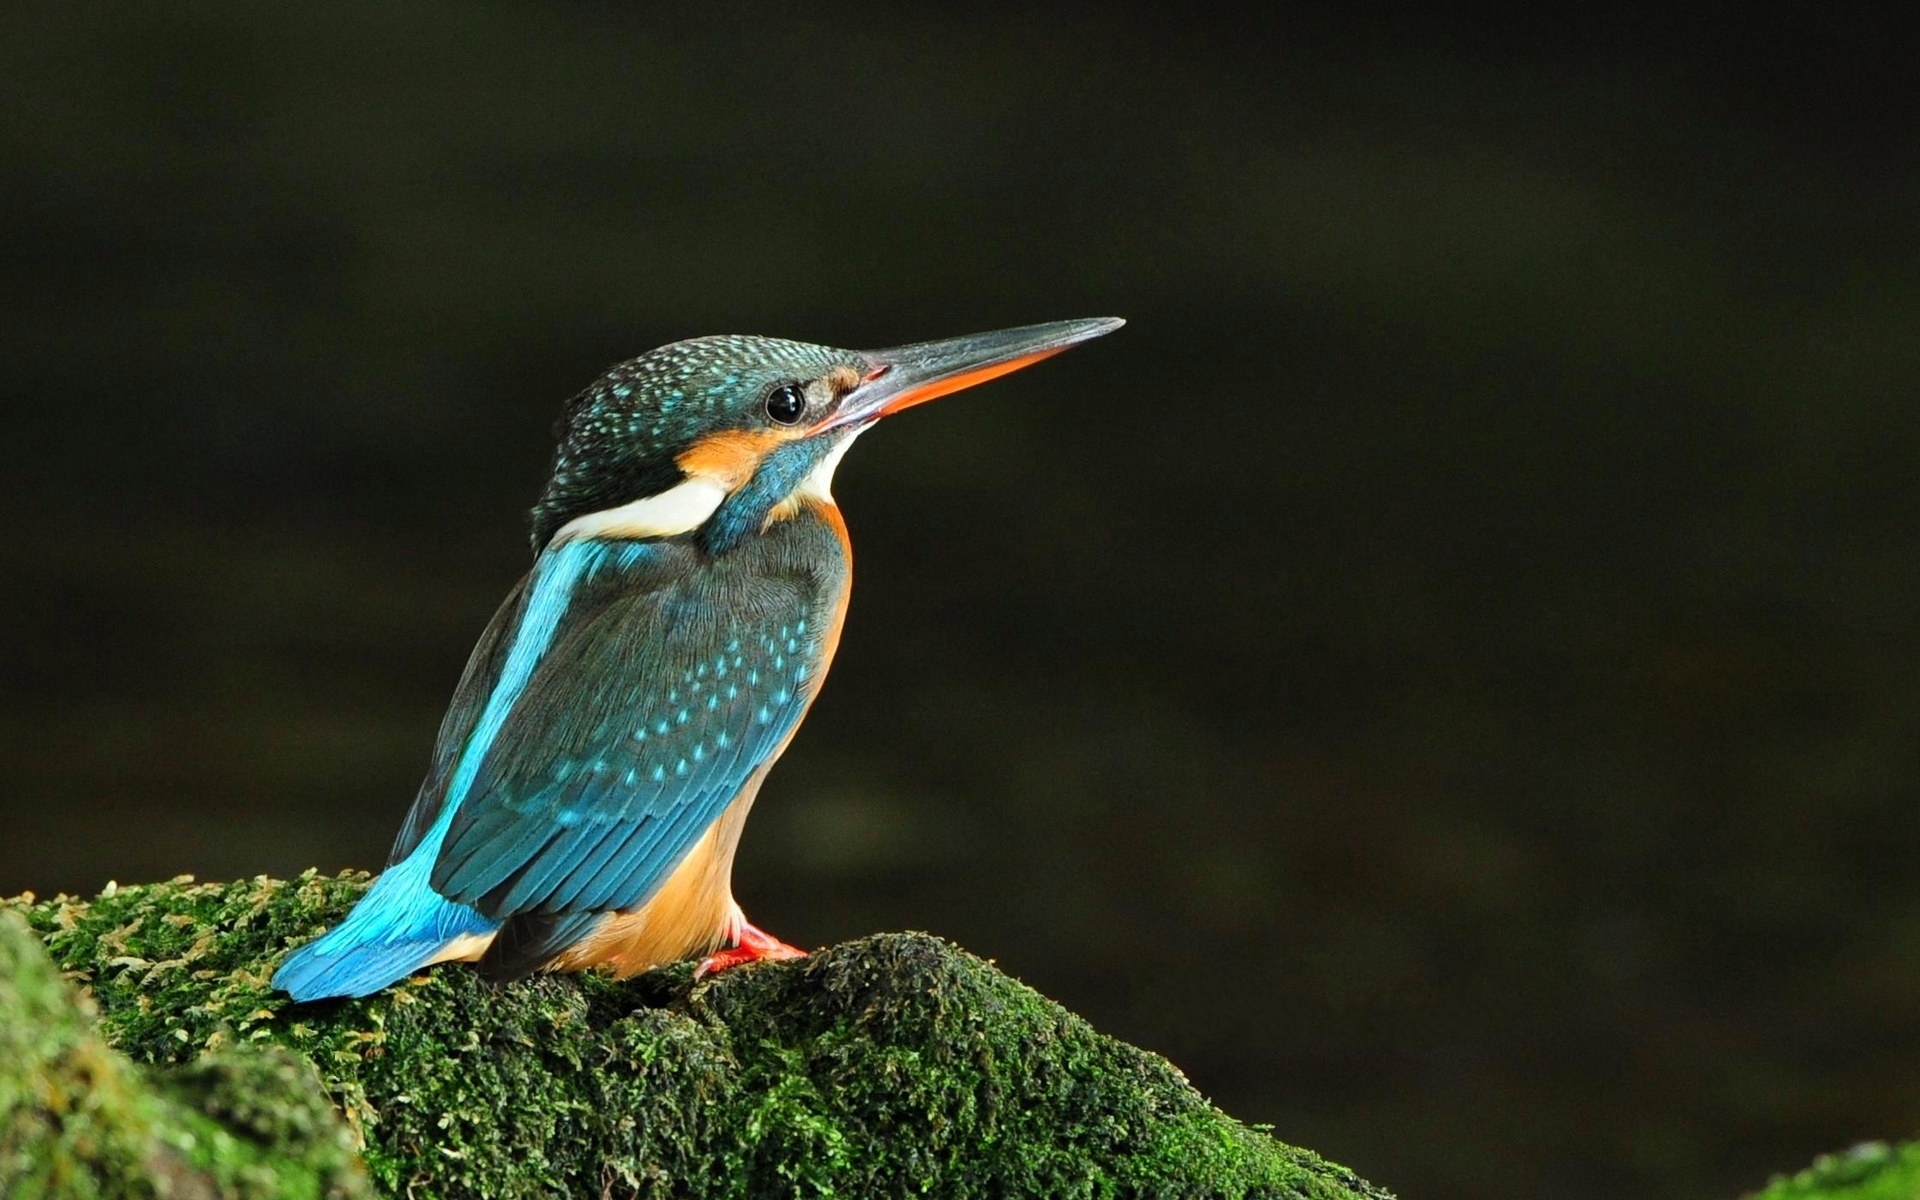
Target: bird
592,775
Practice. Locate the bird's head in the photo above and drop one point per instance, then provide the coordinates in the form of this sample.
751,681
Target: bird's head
717,436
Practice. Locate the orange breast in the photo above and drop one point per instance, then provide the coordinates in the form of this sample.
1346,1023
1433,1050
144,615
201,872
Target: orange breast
692,914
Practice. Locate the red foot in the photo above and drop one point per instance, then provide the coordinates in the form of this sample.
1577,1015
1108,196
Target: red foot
753,945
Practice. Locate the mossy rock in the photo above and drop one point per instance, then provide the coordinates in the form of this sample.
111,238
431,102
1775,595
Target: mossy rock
1869,1171
891,1065
79,1120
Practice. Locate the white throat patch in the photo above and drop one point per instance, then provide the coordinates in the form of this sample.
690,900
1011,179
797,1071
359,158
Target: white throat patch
818,485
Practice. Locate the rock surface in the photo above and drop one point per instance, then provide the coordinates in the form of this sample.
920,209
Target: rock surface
79,1120
891,1065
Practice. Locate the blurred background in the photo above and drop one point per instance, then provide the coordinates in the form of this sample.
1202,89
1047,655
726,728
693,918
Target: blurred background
1445,674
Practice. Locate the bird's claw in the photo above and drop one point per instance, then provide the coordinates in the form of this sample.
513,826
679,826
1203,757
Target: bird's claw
753,945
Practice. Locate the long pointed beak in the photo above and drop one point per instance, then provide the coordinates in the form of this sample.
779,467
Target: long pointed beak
903,376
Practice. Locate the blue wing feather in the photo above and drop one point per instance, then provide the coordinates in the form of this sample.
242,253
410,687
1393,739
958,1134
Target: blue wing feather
662,694
621,698
478,683
402,924
399,926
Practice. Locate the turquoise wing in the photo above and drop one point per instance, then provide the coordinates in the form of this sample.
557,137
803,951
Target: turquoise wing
477,684
656,702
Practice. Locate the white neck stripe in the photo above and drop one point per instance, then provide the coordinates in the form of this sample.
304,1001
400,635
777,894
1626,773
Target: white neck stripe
685,506
682,508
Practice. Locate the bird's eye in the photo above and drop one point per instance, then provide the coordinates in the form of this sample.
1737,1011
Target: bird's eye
785,404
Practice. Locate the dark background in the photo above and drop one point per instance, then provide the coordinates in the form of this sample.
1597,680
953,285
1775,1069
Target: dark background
1445,674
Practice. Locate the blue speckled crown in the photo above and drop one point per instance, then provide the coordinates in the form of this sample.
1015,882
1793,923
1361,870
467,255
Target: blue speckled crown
619,438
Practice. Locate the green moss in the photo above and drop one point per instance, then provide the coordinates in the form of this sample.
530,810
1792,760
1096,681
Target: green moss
1870,1171
71,1112
891,1065
78,1120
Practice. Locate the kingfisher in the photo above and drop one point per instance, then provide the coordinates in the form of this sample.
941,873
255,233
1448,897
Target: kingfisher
594,771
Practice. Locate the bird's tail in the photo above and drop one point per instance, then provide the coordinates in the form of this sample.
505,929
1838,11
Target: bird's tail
399,926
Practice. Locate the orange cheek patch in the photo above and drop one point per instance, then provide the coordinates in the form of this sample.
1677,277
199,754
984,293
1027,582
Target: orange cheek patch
730,458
